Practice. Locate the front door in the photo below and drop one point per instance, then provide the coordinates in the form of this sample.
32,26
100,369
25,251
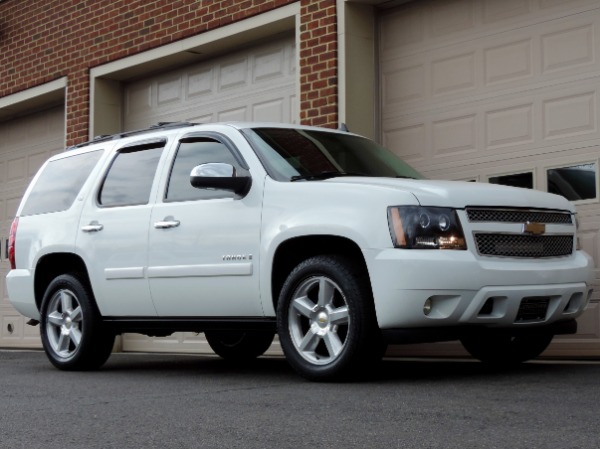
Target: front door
204,243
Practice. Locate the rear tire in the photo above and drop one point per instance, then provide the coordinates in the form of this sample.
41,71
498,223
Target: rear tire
73,335
326,320
239,345
500,348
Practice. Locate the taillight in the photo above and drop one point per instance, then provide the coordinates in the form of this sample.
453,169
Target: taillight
11,243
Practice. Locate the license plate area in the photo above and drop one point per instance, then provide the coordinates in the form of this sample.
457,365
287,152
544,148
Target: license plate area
533,309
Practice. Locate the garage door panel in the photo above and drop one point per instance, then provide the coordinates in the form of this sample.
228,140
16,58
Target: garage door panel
454,136
200,82
571,46
451,16
508,62
570,115
509,126
411,141
269,65
494,11
268,111
233,74
138,99
12,204
235,114
25,145
169,91
589,237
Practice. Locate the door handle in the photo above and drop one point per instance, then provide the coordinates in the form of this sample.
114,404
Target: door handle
94,226
166,223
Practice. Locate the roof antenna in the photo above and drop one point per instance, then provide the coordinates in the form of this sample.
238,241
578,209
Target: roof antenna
343,127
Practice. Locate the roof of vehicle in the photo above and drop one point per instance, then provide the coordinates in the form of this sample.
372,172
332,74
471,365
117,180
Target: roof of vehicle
169,126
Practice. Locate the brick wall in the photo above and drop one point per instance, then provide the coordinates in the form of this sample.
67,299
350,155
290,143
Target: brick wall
318,63
44,40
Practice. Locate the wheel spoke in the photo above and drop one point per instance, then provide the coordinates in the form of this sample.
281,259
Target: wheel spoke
309,342
76,336
56,319
65,301
63,343
77,315
304,306
339,315
326,291
333,343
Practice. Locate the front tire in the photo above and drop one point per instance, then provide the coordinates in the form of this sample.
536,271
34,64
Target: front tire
73,335
326,319
501,349
239,345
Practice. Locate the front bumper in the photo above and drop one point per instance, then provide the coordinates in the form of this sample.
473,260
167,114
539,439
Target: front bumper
437,334
464,290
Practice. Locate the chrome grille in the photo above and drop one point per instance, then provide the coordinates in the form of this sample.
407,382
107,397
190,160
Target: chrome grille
528,246
518,216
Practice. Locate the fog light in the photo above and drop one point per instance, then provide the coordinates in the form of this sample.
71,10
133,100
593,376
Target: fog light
427,306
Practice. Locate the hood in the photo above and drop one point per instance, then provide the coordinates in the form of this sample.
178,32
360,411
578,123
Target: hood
459,194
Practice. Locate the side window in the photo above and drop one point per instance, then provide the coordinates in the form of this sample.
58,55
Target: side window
59,184
189,155
129,179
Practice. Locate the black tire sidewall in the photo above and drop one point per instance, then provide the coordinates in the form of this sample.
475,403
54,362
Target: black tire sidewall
251,344
500,348
362,328
96,342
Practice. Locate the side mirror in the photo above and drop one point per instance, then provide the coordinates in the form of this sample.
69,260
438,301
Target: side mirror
216,175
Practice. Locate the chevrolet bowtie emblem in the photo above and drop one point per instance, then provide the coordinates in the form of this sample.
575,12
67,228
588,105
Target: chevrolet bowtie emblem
534,228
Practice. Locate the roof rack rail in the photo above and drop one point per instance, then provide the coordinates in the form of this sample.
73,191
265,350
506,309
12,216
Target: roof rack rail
158,126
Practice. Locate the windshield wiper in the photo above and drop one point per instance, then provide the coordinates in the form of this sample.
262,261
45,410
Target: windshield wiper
324,175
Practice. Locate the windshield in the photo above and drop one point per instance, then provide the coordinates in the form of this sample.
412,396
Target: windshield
298,154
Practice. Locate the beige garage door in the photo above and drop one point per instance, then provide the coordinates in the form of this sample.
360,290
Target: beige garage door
25,144
499,91
257,84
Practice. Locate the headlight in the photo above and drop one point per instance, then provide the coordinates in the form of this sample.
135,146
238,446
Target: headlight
417,227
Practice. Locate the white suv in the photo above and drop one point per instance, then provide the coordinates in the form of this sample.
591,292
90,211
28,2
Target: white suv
243,230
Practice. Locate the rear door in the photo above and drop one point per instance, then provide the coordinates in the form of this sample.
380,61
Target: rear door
113,231
204,243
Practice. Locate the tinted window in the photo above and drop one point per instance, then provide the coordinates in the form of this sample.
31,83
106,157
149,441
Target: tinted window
291,153
130,178
189,155
59,183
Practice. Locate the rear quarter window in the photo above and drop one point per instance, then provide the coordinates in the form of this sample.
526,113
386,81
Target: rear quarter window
59,183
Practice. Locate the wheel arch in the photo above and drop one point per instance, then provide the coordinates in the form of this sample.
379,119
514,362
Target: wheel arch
52,265
293,251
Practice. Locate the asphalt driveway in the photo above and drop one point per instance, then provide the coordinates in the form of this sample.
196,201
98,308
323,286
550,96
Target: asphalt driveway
183,401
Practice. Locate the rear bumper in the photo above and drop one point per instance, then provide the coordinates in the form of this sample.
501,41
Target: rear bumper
19,284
